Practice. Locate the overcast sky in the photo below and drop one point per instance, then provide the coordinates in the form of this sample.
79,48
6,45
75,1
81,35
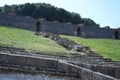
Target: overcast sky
103,12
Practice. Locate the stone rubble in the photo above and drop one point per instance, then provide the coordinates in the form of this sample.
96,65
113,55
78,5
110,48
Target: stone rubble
85,57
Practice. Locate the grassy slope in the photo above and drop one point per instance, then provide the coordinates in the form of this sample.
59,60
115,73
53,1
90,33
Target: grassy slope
26,39
107,47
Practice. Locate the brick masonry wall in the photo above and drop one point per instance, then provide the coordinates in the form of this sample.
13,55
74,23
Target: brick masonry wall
56,27
89,32
18,21
59,28
70,29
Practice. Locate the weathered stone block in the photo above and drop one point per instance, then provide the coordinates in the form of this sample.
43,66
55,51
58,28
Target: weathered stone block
102,69
108,59
63,67
2,58
46,34
41,63
78,47
86,74
35,62
99,76
69,68
49,63
94,68
15,60
75,70
117,73
111,71
12,59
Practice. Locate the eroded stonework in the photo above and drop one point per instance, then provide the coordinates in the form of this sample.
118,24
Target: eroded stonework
57,27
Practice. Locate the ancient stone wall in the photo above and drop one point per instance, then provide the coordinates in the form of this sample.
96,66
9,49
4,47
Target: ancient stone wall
18,21
89,32
47,64
58,28
84,31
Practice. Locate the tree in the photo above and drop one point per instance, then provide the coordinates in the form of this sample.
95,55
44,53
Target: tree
89,22
0,9
7,9
76,18
27,9
51,13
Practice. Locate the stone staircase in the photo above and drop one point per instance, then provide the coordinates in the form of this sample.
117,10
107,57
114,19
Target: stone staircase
84,57
68,44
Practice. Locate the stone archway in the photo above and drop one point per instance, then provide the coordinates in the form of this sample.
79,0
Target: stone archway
116,35
78,31
38,26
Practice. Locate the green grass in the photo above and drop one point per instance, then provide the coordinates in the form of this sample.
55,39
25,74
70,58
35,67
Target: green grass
108,48
19,38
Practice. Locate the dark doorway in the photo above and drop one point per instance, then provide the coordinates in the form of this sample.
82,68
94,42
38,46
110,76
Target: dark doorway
78,31
116,35
38,25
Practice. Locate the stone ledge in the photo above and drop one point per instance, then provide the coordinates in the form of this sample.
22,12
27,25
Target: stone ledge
52,64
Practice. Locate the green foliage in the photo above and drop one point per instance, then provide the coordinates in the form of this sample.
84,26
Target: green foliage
7,9
51,13
109,48
0,9
76,18
26,39
89,22
27,9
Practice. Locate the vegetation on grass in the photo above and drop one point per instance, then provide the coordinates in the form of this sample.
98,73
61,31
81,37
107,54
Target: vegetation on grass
19,38
51,13
108,48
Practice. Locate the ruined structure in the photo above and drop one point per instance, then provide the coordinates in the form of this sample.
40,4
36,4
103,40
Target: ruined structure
57,27
89,66
19,60
18,21
79,30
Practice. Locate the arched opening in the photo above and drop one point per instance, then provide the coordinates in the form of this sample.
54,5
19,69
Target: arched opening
78,31
38,25
116,35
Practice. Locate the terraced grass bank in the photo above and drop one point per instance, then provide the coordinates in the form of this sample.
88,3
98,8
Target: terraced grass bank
19,38
108,48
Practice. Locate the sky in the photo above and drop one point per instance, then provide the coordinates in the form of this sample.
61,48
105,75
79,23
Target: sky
103,12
